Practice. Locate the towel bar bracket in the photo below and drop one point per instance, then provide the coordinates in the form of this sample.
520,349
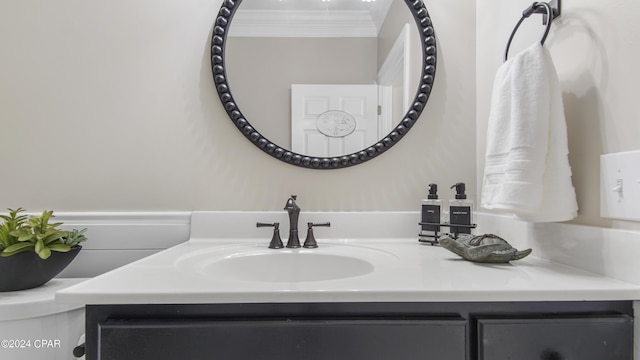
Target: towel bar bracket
535,9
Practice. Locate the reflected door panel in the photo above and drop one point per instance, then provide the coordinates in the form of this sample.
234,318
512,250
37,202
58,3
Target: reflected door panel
333,120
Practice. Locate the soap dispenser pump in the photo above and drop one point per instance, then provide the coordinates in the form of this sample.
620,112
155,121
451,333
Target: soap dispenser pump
431,208
430,216
460,211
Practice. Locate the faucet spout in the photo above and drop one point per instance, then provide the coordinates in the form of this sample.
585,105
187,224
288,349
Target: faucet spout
294,212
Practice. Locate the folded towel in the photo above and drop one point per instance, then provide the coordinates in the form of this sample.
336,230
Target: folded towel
527,170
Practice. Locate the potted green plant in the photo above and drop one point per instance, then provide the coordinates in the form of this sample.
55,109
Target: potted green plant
34,250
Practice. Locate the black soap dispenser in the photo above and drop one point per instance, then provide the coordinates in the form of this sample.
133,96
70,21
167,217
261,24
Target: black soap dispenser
460,211
430,219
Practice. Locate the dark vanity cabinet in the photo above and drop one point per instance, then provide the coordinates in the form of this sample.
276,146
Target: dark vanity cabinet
555,338
312,339
354,331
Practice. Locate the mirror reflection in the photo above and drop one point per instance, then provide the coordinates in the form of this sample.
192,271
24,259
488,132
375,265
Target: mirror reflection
323,78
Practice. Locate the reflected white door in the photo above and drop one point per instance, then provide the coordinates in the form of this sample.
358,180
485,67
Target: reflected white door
352,109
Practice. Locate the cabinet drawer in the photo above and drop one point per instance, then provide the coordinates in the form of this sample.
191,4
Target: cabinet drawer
283,339
579,338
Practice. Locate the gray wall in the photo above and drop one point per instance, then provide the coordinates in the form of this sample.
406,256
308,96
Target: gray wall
111,106
261,70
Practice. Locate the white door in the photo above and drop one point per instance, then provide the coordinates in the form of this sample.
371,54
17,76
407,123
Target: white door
333,120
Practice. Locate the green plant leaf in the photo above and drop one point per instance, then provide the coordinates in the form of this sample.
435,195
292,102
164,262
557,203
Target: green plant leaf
23,234
39,246
12,222
53,231
13,216
46,215
74,237
5,238
53,238
44,253
17,248
60,247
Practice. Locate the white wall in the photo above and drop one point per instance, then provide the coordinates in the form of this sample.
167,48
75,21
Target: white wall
110,106
595,45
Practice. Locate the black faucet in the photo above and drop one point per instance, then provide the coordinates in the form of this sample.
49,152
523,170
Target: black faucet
294,211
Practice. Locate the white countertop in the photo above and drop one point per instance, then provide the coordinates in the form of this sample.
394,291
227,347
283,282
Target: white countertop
417,272
36,302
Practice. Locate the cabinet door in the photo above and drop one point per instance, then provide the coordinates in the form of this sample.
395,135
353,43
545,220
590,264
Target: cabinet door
284,339
583,338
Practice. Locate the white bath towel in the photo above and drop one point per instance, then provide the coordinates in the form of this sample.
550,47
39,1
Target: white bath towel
527,170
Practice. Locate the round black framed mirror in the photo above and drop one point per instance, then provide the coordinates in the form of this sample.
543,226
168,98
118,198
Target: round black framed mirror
333,123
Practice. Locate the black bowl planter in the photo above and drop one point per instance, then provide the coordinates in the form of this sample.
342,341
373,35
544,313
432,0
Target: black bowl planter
27,270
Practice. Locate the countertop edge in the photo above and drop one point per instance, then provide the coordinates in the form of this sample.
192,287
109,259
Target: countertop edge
589,286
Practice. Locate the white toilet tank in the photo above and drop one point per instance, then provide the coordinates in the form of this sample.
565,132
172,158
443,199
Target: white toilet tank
34,327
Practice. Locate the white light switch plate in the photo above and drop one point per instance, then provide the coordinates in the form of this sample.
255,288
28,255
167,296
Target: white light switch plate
620,186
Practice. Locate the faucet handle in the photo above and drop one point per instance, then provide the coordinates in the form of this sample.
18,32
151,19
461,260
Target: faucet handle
276,241
310,241
326,224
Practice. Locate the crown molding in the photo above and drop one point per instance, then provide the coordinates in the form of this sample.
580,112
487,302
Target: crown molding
273,23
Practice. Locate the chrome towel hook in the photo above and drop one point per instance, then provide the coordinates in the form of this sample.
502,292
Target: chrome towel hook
550,11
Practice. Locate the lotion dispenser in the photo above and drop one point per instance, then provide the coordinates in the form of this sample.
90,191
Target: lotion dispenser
460,211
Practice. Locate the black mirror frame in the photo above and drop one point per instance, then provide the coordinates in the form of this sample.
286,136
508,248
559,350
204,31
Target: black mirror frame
429,52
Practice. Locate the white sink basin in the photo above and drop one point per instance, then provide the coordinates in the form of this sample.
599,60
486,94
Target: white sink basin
259,264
